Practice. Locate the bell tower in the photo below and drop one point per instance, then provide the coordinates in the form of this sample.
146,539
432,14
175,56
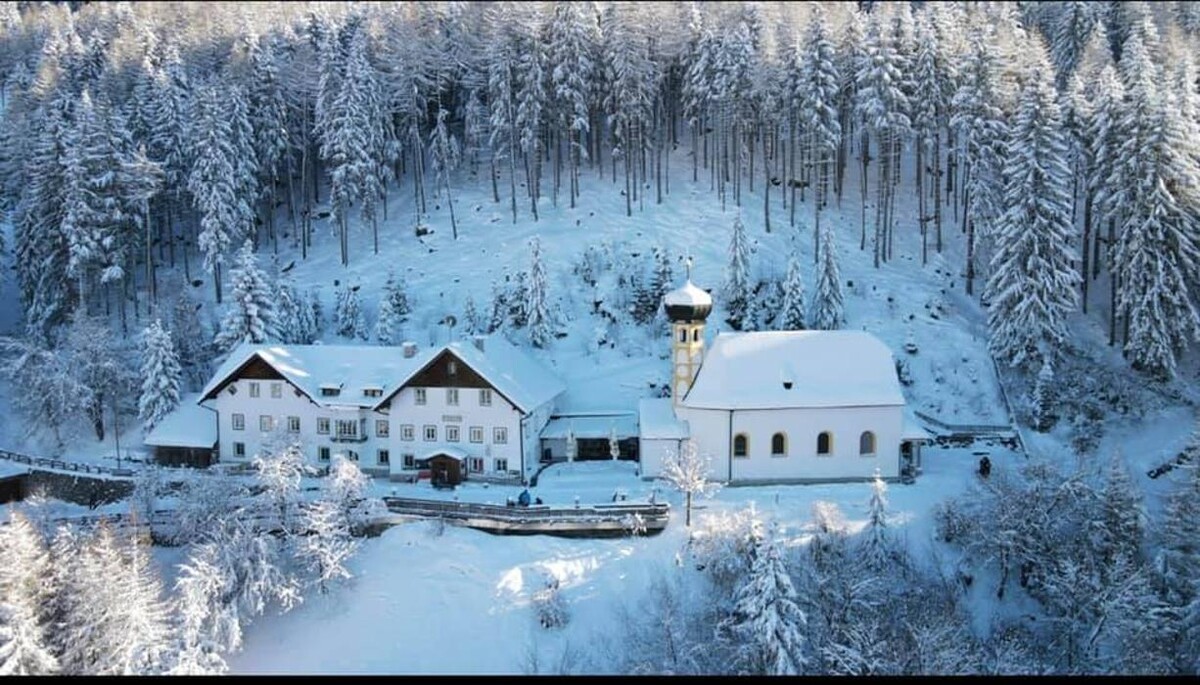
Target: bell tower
687,308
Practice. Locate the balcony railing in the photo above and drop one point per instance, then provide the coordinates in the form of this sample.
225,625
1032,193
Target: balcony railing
348,438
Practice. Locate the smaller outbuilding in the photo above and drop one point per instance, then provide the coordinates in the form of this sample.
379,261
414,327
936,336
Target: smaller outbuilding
185,437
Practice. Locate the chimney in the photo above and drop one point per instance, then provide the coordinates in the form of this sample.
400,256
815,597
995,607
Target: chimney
410,349
479,342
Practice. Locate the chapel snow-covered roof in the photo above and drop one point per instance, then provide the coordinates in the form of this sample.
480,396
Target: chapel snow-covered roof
190,425
790,369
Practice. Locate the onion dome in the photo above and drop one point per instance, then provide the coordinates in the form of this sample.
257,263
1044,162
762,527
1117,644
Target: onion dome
688,303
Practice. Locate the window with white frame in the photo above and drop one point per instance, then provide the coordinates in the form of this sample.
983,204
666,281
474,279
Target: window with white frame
323,453
430,433
347,429
266,423
239,449
381,428
452,397
451,433
238,421
407,432
500,436
409,461
485,397
419,395
293,424
475,464
323,426
501,465
255,390
276,390
382,457
476,433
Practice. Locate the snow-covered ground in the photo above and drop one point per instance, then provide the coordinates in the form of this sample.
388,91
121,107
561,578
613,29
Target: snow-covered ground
432,600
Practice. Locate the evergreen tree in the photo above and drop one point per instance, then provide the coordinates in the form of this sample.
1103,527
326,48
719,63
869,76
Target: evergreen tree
1033,286
737,276
351,322
189,339
1042,399
393,311
876,544
313,324
791,314
1159,197
1121,526
161,375
212,183
473,323
827,313
536,305
251,315
290,310
767,622
24,641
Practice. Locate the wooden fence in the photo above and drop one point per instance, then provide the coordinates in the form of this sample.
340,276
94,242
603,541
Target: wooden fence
63,465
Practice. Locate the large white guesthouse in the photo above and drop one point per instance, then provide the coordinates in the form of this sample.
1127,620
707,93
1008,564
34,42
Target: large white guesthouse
764,407
478,406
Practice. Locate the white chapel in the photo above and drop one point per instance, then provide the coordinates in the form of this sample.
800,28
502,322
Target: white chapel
778,406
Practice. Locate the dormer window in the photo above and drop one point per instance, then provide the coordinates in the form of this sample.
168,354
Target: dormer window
331,390
372,392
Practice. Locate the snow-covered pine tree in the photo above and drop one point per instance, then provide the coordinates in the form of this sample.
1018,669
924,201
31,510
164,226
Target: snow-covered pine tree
161,375
212,184
1033,285
1157,188
502,62
791,314
269,119
289,309
140,635
737,276
877,551
767,622
473,324
25,647
1041,399
351,322
251,313
95,215
541,330
1121,525
245,177
1070,28
571,47
827,308
393,311
814,94
314,322
189,339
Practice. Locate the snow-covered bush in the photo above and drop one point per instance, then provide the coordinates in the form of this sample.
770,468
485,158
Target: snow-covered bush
548,605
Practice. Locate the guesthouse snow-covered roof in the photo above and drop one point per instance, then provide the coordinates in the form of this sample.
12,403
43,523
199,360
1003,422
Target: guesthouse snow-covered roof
354,368
657,421
525,381
591,427
190,425
790,369
313,367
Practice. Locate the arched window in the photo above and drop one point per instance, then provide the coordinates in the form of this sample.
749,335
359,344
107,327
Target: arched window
866,443
741,445
825,443
682,335
779,445
696,335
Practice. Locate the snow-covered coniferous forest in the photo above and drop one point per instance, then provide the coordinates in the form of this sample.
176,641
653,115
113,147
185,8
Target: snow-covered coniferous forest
1007,194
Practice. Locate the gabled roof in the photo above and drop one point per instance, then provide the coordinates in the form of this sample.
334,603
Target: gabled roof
190,425
823,368
312,367
514,374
